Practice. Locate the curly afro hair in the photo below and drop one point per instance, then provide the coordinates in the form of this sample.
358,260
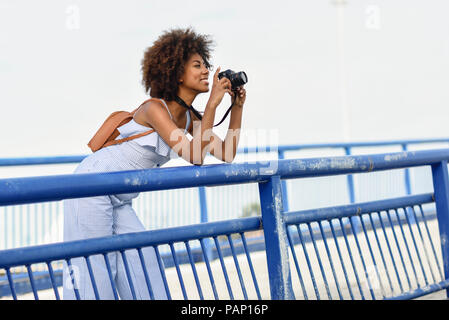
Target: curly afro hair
163,62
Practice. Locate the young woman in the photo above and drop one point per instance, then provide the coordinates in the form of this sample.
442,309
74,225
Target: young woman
175,70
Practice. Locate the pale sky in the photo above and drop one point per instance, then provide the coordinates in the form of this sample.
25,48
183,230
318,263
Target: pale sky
371,70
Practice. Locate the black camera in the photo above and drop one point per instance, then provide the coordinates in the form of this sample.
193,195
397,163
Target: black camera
237,78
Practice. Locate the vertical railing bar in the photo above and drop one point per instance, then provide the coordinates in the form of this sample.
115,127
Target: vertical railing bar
209,271
281,155
312,275
399,248
204,215
128,274
383,291
406,246
21,225
50,213
223,267
408,188
108,267
42,222
248,257
330,258
35,223
373,226
28,225
92,278
431,242
428,259
415,245
11,284
6,227
370,287
348,284
326,285
348,246
33,286
162,270
292,249
434,278
74,284
52,279
440,181
391,252
350,179
237,266
145,273
270,197
350,185
195,274
178,271
13,226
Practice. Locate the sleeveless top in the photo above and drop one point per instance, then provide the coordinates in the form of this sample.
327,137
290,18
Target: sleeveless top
152,141
146,152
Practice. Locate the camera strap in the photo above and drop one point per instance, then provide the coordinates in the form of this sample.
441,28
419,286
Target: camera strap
197,114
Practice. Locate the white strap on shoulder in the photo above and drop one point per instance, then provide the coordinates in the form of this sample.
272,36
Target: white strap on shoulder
166,107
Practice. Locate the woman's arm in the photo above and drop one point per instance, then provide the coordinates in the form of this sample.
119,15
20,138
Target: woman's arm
227,149
194,151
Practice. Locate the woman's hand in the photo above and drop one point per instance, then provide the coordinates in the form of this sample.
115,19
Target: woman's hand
219,88
239,96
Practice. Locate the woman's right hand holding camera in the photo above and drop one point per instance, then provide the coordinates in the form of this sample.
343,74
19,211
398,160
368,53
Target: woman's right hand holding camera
219,88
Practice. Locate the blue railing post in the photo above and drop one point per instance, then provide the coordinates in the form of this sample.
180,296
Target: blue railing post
441,190
275,239
350,180
351,193
203,204
408,188
281,156
204,218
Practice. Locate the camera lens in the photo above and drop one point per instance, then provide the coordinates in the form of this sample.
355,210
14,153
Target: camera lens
239,79
244,77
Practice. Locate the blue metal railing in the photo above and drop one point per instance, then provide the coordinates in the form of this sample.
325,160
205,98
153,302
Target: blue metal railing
411,249
41,232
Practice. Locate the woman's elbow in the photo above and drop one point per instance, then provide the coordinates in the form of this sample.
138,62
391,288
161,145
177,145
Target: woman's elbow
197,161
229,159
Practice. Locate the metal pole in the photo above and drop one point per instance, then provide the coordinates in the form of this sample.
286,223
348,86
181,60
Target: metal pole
408,188
351,193
284,185
205,218
350,180
275,233
441,191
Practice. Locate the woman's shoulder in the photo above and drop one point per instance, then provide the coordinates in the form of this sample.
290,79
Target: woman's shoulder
151,109
156,105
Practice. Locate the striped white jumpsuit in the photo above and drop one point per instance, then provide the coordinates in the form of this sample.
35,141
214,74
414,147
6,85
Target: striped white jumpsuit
111,215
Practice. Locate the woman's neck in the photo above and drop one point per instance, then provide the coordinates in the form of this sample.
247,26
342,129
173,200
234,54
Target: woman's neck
187,95
178,111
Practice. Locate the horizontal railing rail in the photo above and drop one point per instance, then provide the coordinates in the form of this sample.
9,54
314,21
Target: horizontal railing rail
58,187
81,248
30,161
336,212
